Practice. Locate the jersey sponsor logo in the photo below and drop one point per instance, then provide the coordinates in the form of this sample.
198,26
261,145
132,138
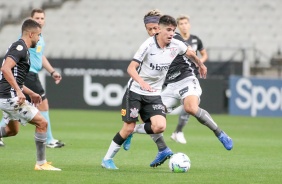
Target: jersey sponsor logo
123,112
159,67
173,75
183,91
134,113
19,47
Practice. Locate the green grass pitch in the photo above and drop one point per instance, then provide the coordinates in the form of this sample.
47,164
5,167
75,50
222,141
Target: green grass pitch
255,158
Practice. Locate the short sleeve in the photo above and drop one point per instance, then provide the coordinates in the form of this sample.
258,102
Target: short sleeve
200,44
17,52
182,48
142,52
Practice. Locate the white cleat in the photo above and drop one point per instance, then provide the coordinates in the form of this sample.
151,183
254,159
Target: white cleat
178,137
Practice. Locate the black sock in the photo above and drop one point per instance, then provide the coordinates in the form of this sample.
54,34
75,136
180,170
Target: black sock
148,128
118,139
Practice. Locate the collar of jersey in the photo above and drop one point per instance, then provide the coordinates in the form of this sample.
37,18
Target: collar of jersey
155,38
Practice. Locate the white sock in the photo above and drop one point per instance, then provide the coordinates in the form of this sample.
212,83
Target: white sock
140,129
113,149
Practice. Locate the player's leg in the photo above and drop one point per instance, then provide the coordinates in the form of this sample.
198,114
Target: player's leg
115,145
40,137
191,107
131,104
164,152
178,134
2,124
44,110
154,117
32,82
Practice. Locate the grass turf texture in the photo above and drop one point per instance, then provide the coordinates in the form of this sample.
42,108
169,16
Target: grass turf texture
255,158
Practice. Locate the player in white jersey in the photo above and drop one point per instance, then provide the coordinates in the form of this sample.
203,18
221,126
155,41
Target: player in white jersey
182,83
142,97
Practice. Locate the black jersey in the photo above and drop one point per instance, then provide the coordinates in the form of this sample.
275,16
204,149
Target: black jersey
195,42
18,51
182,67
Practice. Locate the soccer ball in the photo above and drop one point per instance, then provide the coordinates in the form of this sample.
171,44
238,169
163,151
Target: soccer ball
179,163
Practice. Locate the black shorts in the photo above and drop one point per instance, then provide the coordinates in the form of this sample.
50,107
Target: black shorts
33,83
147,106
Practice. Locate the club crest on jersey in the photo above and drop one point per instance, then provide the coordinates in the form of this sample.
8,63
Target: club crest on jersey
173,52
134,113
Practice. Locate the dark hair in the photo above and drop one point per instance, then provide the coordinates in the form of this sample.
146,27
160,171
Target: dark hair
36,10
167,20
30,24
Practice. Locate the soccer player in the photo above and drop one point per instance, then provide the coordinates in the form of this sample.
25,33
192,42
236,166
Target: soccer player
183,85
142,97
32,80
16,109
151,20
183,24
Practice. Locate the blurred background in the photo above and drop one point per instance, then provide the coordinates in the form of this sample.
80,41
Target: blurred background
91,43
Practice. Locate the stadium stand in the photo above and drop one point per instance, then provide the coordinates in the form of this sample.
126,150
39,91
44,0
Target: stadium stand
111,29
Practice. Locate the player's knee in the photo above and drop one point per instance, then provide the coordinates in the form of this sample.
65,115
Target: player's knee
42,124
191,109
12,132
159,128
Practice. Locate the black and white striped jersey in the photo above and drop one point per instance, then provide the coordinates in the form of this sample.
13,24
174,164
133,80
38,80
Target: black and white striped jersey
18,51
182,67
154,63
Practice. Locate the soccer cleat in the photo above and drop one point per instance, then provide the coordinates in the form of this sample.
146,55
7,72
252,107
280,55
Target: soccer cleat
108,164
1,142
225,140
161,157
55,144
127,142
178,137
46,166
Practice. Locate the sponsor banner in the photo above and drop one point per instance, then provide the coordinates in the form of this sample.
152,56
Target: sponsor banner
106,93
100,84
87,92
255,96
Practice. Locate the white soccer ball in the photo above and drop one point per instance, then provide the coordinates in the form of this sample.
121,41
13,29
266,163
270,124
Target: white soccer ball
179,163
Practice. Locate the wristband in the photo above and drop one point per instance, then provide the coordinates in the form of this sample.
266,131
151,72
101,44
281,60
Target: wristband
52,73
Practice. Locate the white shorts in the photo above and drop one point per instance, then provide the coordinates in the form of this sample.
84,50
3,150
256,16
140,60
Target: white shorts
174,94
12,111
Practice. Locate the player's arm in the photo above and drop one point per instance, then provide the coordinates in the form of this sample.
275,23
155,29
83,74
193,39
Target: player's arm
202,68
131,70
56,75
35,98
6,69
204,55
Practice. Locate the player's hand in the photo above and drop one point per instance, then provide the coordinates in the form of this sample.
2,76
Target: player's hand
203,71
35,99
146,87
21,97
57,77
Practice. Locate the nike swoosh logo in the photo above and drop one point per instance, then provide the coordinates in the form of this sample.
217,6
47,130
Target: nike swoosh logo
152,54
